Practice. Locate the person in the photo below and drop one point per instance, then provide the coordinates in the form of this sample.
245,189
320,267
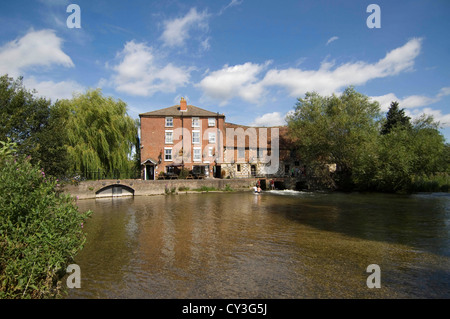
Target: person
272,184
259,189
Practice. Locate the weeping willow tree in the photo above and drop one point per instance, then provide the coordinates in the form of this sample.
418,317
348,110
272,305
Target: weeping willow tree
99,133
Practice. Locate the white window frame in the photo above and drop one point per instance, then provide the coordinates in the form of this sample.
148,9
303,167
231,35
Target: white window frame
165,137
211,122
212,138
210,151
198,151
199,137
165,154
195,120
169,117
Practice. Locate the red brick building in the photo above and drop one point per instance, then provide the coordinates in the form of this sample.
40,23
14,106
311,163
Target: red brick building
186,136
180,136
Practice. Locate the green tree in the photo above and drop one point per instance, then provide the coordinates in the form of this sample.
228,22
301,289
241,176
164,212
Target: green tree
395,117
40,229
100,134
337,130
408,153
33,124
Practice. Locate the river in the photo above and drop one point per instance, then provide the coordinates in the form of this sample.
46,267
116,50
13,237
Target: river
279,244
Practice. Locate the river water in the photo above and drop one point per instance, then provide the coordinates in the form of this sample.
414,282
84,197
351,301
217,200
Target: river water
279,244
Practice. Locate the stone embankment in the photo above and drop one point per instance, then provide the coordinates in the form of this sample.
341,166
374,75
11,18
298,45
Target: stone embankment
134,187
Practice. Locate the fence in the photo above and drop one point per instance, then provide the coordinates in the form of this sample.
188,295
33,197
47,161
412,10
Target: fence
100,174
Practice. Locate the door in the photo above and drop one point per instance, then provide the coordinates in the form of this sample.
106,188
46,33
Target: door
149,172
217,171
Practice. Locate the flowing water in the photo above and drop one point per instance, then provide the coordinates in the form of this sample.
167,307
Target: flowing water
279,244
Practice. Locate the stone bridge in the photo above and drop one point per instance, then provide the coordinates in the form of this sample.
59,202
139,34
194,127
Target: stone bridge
136,187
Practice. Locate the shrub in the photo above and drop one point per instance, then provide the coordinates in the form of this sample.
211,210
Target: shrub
40,230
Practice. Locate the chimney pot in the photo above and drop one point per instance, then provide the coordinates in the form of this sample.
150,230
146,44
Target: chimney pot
183,104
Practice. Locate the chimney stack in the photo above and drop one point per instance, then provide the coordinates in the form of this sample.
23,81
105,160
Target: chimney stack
183,105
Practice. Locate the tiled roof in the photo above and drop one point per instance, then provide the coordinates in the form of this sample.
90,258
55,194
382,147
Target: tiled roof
175,111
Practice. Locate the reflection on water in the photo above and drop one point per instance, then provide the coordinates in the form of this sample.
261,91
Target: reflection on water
279,244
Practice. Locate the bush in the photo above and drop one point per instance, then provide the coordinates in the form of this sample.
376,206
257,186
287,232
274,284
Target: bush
40,230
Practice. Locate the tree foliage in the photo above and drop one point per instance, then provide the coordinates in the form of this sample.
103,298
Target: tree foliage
335,130
40,229
371,153
32,124
100,135
395,118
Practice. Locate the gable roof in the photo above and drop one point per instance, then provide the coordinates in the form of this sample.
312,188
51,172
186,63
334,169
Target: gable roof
175,111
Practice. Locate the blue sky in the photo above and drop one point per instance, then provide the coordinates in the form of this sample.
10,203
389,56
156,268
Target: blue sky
250,60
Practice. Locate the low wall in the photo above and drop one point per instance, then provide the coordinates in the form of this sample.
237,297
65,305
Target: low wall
88,189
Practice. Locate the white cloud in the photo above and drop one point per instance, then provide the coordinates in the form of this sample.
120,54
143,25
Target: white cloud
410,102
139,72
231,81
332,39
443,119
444,92
177,31
231,4
35,49
269,119
327,80
54,90
415,105
245,80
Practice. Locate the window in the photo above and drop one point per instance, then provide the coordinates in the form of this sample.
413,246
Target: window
195,122
286,169
195,137
261,153
168,154
212,138
197,154
241,152
211,121
238,167
210,151
169,137
169,121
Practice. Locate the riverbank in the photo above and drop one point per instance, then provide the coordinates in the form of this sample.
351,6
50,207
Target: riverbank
133,187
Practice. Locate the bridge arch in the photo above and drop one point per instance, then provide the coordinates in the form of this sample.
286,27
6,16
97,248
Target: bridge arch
114,190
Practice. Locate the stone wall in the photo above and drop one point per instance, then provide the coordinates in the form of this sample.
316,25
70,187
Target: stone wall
89,189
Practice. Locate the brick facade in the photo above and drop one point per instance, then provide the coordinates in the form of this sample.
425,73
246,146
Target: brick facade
185,136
